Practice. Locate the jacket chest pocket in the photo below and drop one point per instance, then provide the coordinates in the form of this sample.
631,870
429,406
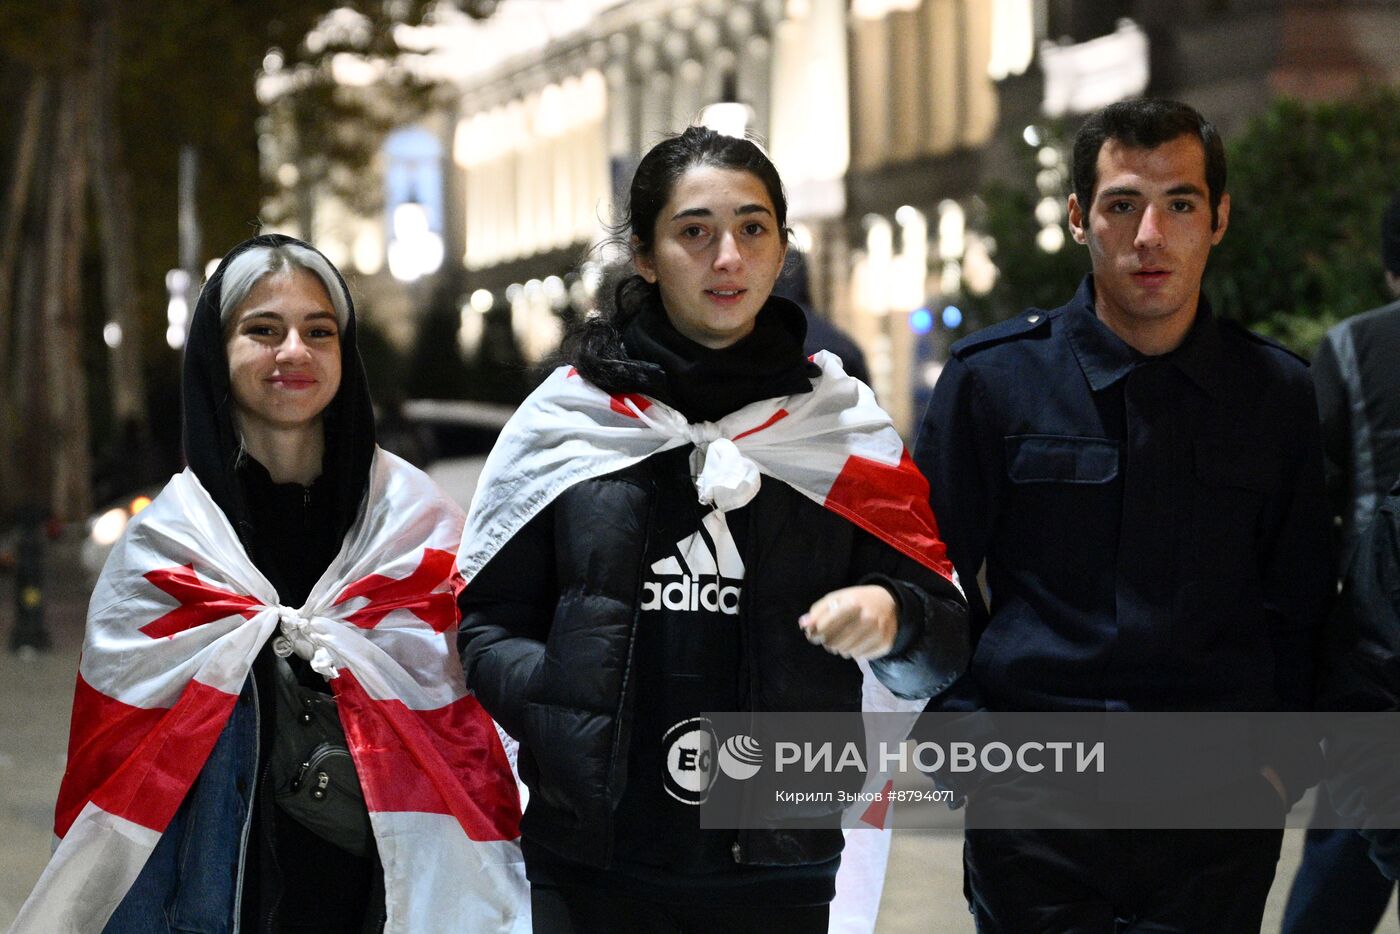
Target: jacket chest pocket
1060,459
1234,482
1061,489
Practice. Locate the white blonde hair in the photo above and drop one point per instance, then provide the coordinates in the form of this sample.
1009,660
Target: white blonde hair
249,267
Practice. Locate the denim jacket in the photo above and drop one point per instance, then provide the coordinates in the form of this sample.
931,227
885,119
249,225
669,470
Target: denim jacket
192,881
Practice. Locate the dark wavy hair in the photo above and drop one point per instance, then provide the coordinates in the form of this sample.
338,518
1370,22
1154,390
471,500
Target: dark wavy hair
1146,124
594,345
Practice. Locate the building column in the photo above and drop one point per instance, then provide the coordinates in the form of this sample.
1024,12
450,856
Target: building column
943,37
870,121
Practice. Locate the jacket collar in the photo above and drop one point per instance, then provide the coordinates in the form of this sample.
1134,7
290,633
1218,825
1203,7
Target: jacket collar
1105,358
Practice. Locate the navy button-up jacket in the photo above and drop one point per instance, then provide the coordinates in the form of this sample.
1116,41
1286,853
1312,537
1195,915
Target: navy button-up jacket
1154,528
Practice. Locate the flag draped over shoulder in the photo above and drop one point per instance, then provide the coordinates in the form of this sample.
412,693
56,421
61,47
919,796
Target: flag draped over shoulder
175,622
834,445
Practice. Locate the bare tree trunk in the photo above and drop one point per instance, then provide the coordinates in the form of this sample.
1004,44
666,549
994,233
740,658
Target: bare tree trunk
30,379
111,188
17,202
70,493
17,205
29,376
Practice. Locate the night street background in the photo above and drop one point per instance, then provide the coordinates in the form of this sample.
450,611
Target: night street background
461,162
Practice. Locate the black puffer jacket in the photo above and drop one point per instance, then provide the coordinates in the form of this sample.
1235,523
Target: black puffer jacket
552,663
549,629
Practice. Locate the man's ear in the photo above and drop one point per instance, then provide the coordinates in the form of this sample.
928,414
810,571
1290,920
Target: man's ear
1222,219
642,262
1077,219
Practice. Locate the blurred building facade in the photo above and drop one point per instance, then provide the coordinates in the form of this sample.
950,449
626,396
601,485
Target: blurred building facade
885,118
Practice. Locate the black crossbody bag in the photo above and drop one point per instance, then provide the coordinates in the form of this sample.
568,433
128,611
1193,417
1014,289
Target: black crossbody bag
313,775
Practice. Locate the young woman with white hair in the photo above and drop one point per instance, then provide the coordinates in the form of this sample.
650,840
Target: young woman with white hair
271,730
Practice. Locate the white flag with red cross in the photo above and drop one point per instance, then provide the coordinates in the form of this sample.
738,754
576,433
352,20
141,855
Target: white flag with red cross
176,620
835,445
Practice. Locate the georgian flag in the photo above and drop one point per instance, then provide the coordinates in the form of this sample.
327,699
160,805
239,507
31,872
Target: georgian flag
835,445
175,622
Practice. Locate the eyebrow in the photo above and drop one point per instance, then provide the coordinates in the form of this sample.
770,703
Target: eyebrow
706,212
277,316
1186,188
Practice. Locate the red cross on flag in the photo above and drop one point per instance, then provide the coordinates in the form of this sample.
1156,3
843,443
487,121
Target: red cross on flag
177,618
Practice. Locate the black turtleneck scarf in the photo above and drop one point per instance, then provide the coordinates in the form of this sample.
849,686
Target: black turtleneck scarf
294,531
705,384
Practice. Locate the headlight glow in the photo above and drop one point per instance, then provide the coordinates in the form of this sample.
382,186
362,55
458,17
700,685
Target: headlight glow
108,527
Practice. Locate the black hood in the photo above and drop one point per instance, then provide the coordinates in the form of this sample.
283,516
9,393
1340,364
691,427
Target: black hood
211,440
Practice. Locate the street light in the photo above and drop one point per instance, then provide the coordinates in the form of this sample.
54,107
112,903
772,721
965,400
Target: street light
473,321
177,311
414,250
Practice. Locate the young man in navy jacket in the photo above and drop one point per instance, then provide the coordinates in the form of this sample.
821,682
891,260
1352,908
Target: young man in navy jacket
1143,482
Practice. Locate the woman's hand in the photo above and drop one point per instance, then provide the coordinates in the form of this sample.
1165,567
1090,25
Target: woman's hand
853,622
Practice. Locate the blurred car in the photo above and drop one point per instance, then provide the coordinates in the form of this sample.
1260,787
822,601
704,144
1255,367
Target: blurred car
458,428
106,525
463,434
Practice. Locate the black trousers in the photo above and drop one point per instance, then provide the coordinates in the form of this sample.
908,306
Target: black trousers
572,909
1119,881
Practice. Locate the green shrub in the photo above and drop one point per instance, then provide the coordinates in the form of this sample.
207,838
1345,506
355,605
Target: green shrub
1308,183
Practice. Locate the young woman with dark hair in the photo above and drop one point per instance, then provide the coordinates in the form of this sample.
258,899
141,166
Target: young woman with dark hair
692,517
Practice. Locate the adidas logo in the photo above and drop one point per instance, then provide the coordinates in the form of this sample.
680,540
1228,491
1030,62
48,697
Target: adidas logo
705,573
